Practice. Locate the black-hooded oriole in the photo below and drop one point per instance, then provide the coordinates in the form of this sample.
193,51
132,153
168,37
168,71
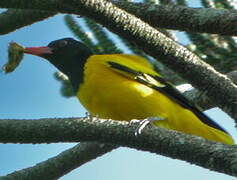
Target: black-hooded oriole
125,87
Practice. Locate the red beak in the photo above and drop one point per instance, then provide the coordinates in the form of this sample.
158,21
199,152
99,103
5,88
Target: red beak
38,51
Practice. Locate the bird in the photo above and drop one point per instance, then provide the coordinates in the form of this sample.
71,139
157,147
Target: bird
126,87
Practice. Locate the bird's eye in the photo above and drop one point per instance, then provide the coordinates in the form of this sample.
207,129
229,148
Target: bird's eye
62,43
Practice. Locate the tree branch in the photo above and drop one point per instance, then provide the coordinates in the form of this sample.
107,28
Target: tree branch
209,20
14,19
63,163
215,156
201,99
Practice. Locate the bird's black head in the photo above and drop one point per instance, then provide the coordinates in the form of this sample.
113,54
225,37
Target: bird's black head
68,55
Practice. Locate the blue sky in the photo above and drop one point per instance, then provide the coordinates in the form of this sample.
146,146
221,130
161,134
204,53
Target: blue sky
32,92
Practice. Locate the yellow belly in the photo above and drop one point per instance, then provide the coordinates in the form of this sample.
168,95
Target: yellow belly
127,99
124,100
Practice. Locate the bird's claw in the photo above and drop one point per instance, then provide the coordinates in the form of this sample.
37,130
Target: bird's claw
145,122
90,117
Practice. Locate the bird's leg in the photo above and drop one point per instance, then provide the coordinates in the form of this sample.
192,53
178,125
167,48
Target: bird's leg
90,117
145,122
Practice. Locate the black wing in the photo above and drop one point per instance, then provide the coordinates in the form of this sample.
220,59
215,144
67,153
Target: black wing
168,90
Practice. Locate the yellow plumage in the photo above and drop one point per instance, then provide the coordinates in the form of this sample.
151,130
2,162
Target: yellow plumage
113,93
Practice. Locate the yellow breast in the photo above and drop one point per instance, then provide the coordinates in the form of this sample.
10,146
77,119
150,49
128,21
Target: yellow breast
111,95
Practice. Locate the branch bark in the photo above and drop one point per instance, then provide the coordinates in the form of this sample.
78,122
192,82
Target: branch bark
13,19
201,99
209,20
215,156
63,163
